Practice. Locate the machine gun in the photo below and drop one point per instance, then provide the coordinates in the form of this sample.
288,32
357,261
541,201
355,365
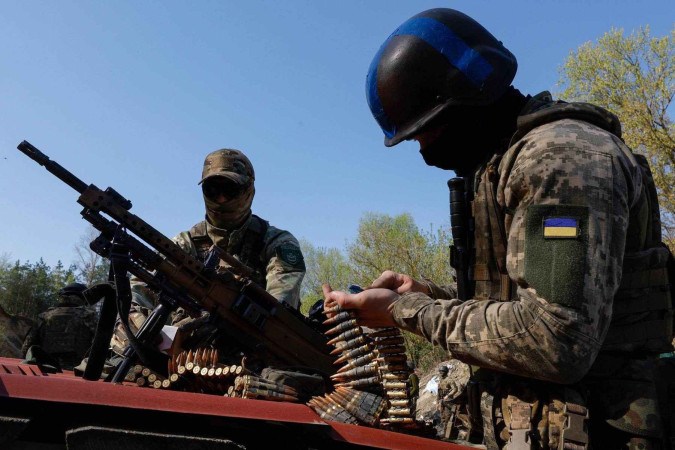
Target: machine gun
248,314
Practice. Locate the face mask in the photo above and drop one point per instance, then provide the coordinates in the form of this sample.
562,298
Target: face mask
451,152
231,213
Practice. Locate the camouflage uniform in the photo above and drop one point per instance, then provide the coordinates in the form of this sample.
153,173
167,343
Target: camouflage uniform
273,254
570,285
65,331
445,386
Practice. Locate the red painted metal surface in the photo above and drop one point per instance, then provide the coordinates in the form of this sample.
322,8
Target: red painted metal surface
27,382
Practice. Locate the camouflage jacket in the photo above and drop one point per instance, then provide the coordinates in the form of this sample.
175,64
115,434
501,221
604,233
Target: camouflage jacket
445,385
277,258
568,188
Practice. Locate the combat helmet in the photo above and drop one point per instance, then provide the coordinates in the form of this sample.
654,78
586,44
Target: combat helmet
72,293
75,289
435,60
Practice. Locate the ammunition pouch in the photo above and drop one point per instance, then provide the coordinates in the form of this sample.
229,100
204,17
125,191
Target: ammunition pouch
522,414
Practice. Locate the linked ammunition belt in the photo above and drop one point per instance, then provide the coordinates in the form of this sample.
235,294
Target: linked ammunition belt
201,371
371,386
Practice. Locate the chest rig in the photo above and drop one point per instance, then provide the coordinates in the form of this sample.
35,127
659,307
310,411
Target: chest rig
479,232
490,277
248,250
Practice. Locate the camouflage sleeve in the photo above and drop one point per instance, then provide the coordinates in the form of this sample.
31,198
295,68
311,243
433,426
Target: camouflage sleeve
285,266
554,329
446,292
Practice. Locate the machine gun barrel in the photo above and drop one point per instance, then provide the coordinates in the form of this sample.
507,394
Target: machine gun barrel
52,166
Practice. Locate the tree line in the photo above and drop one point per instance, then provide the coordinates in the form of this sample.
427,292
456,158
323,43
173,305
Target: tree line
29,288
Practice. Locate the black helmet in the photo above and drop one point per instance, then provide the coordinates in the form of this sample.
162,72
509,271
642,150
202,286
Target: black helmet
436,59
443,369
75,289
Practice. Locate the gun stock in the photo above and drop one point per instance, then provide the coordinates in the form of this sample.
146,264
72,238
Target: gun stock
251,315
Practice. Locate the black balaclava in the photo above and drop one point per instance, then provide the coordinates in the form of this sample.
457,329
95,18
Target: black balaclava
472,134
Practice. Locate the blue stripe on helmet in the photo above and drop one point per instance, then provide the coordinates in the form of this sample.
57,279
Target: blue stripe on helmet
446,42
373,97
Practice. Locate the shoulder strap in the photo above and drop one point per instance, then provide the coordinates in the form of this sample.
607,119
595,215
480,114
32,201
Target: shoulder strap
490,272
201,239
253,243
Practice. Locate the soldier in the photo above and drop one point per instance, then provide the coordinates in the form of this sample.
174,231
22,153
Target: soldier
567,299
443,406
274,255
67,330
413,386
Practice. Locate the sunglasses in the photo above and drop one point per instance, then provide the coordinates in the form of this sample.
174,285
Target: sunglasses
213,189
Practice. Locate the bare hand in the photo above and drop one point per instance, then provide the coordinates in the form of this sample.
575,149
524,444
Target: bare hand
372,306
399,282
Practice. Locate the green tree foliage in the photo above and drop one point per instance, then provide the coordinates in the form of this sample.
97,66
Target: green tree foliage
91,267
396,243
324,265
27,289
633,76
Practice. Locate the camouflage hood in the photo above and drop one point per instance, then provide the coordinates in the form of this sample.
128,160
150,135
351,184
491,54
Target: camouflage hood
542,109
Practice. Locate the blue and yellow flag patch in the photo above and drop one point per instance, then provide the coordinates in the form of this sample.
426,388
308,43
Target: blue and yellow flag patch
561,228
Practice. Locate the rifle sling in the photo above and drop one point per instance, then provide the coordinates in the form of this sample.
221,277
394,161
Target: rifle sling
104,328
149,357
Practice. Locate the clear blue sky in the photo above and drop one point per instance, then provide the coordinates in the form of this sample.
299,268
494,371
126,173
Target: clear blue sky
134,94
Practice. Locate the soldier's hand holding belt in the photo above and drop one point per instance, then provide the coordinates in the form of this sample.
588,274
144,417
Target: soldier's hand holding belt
373,306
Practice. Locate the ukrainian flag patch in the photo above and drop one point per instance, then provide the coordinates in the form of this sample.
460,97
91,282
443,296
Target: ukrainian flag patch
561,228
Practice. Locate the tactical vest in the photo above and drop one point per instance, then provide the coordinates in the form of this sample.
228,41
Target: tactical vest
66,334
642,317
248,252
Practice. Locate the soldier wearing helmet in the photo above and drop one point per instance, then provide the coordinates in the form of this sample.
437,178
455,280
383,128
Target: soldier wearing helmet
65,331
442,402
228,188
568,301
